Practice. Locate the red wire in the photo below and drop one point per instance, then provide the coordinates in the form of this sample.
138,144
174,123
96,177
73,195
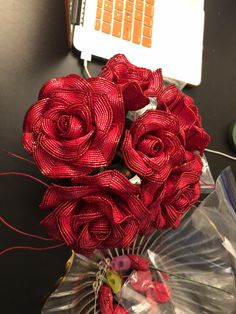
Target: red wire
24,233
23,175
16,156
31,248
207,184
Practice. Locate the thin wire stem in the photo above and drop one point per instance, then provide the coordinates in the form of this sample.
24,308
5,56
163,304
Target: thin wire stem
31,248
16,156
24,175
24,233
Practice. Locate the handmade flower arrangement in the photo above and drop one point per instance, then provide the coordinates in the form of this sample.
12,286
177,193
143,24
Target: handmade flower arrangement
129,150
82,130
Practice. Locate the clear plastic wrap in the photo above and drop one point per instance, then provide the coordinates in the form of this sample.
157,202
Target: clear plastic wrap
206,181
194,264
220,210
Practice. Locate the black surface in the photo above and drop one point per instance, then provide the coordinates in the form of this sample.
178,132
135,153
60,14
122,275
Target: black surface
33,50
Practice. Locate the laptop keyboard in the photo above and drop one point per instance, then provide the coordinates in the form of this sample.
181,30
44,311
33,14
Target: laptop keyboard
130,20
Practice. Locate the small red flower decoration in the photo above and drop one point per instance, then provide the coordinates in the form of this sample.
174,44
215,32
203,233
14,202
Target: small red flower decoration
183,107
75,126
154,145
139,262
168,202
137,83
159,292
102,211
141,280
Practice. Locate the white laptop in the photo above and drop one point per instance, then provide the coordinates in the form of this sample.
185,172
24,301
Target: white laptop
165,34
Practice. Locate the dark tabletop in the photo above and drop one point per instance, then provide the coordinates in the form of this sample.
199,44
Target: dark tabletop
33,50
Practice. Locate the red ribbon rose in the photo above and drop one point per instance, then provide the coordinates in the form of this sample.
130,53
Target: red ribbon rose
75,126
102,211
184,108
154,145
168,202
137,83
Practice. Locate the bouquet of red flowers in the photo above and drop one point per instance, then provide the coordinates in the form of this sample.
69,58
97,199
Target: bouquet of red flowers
129,147
124,152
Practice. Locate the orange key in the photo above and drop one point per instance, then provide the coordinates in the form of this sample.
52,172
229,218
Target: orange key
129,6
147,42
139,5
147,21
106,28
128,17
138,15
99,4
118,15
97,25
119,5
149,10
127,28
107,16
98,13
147,31
137,32
108,5
116,29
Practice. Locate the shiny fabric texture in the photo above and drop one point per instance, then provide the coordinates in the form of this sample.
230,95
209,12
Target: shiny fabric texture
75,126
129,77
169,201
183,107
154,145
102,211
78,129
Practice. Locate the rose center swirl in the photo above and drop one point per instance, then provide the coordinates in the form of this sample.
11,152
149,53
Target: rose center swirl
71,126
151,146
63,123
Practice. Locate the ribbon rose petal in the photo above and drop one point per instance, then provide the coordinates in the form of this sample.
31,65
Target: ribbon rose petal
75,126
183,107
168,202
137,83
102,211
154,145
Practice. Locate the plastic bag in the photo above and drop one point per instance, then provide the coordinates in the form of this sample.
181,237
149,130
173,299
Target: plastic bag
143,292
193,267
220,209
199,259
